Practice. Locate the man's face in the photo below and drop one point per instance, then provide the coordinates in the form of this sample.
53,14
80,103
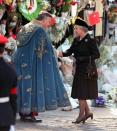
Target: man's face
48,22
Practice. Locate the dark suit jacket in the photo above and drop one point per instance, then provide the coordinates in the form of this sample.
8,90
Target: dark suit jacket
8,82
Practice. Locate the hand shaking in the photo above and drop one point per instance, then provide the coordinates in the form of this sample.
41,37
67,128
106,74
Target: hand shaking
59,54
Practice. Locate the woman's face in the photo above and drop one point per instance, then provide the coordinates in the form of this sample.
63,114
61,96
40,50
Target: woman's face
77,30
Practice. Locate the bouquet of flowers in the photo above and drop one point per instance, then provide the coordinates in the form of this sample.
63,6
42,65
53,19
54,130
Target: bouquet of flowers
100,101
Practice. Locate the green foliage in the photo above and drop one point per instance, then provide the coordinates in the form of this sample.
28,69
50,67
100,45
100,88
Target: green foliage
1,7
25,12
39,0
67,0
104,55
66,8
70,38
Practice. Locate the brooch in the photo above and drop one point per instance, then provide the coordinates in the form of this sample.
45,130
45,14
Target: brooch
86,40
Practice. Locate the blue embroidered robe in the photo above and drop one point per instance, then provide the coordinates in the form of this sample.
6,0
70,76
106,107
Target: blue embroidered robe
40,87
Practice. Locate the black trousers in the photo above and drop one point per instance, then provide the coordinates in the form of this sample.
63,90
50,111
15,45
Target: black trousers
4,128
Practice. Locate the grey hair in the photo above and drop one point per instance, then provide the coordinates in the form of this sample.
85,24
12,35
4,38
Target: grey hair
85,29
42,16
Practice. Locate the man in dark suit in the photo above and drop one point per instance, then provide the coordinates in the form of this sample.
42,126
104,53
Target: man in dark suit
8,82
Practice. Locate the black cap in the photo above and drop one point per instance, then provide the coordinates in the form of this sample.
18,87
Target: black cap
81,22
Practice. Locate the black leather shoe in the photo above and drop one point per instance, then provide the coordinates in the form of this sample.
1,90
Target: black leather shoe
25,119
90,115
30,119
79,120
34,119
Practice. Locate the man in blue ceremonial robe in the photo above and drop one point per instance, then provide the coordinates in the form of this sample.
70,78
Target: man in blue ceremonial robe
40,87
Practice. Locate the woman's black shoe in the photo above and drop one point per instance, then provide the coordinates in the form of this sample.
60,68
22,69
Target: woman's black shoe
90,115
77,121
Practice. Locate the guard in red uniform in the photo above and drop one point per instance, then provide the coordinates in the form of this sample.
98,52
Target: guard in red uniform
8,82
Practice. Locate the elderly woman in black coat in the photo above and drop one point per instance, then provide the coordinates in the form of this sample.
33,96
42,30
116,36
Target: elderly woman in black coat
85,51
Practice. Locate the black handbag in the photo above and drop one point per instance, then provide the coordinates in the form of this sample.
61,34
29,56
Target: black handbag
91,71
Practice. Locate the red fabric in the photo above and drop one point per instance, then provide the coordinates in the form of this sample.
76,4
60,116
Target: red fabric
13,91
34,114
1,1
53,21
73,3
94,18
3,39
60,3
14,36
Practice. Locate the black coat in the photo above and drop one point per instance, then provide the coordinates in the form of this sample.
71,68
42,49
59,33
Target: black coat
83,50
8,82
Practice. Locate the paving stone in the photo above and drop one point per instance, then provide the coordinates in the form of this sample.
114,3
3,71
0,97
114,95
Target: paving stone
105,119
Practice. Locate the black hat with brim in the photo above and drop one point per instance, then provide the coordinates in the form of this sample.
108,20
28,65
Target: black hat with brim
81,22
